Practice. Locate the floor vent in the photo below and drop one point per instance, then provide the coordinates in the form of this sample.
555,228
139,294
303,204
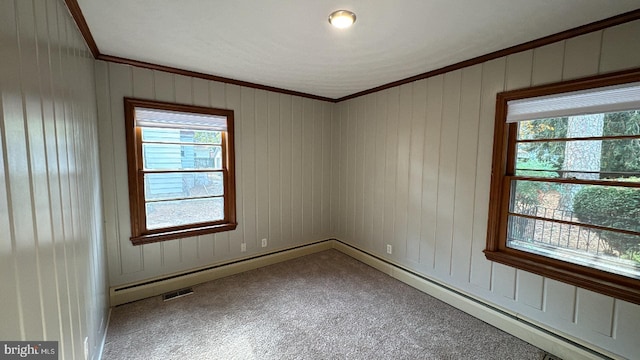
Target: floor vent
550,357
176,294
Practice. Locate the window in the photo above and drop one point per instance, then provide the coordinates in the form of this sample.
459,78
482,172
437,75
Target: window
565,185
181,170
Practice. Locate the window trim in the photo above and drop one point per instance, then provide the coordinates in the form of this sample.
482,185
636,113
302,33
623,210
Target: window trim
139,233
505,134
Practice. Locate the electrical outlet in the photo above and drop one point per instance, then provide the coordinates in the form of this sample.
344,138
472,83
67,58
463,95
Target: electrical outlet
389,249
243,247
264,242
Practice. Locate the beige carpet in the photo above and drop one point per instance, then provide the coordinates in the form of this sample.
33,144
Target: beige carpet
322,306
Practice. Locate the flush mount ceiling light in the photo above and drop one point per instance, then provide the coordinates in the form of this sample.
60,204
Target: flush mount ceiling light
342,18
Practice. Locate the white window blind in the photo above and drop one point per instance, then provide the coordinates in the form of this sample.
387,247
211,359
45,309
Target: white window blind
179,120
592,101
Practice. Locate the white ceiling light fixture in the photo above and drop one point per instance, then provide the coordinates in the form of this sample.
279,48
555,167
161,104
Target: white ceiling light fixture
342,19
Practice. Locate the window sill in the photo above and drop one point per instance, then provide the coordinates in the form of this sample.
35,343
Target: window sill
179,234
591,279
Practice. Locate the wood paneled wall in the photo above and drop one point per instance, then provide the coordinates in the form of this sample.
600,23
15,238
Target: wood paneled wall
412,169
283,171
52,258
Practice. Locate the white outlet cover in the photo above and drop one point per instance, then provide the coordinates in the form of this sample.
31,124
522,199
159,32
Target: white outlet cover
264,242
389,249
243,247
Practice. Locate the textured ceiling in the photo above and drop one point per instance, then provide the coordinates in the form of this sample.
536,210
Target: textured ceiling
290,44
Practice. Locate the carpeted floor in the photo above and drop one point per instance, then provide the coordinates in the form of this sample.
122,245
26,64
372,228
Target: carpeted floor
322,306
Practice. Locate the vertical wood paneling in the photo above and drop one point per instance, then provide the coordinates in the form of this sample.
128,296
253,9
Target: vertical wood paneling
359,168
627,318
57,83
120,83
52,265
11,109
262,179
392,103
402,170
492,83
559,302
337,205
109,194
380,121
594,312
228,97
431,170
530,289
62,117
307,120
620,47
547,63
335,175
249,179
351,170
582,55
285,169
465,173
416,155
316,170
23,142
503,281
275,171
48,199
296,168
345,143
370,163
447,173
328,165
518,72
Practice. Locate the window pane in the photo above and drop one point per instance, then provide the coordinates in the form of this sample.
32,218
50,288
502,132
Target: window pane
582,159
575,244
167,186
184,212
622,123
554,128
181,157
608,206
540,159
181,136
609,124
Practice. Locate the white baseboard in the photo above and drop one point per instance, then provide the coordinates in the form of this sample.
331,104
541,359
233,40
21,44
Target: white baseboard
535,334
152,287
